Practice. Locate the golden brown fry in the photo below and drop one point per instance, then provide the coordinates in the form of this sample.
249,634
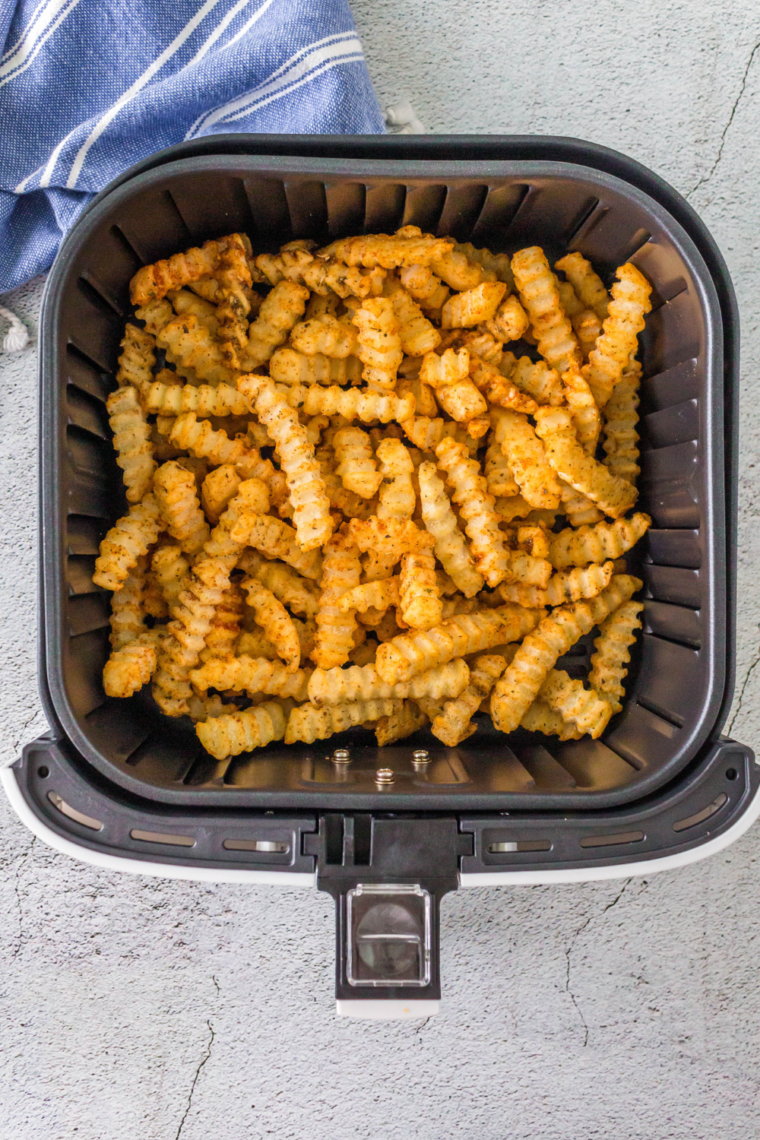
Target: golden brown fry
388,252
621,438
401,724
448,374
275,621
540,718
363,404
583,410
597,543
564,586
205,400
614,496
184,301
137,359
309,724
538,292
154,281
275,539
440,520
396,493
296,263
225,625
311,507
280,312
371,595
169,566
574,702
423,285
252,675
527,458
176,494
356,464
190,345
407,655
585,282
619,339
362,683
131,440
608,664
510,321
234,283
379,341
496,263
125,543
456,269
517,689
419,600
454,724
288,587
219,487
474,306
476,509
417,334
325,335
341,571
231,734
128,607
131,666
290,367
537,380
580,510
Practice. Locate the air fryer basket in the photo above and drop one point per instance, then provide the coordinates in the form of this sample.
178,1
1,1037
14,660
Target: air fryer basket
119,784
678,680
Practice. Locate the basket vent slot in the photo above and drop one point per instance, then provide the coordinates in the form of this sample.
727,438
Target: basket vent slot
612,840
701,816
519,845
72,813
167,838
423,208
262,846
384,207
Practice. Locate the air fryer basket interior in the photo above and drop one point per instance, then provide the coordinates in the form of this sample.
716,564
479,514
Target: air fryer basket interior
677,678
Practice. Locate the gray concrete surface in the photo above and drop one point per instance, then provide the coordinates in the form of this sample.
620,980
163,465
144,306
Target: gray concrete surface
139,1009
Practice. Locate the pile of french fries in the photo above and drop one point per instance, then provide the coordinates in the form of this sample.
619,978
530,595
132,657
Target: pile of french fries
353,504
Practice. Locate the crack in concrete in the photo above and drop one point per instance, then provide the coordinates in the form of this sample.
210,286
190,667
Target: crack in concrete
571,947
203,1061
706,178
19,904
750,671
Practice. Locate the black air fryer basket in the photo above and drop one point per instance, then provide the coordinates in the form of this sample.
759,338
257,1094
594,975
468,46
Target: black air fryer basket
117,783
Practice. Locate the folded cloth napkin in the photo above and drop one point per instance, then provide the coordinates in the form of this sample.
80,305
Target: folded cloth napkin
89,87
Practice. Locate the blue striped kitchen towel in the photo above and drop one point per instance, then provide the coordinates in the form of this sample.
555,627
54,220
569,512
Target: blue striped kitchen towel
89,87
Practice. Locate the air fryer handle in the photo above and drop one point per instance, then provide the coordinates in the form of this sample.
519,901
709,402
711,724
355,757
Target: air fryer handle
387,903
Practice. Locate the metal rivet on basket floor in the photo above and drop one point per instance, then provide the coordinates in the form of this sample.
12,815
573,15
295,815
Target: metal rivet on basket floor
420,756
384,777
341,756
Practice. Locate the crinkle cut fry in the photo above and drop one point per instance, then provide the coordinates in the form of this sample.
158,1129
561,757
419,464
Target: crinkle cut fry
289,587
619,340
341,570
137,359
153,282
526,456
409,654
540,718
440,520
621,439
388,252
238,732
275,621
608,664
574,702
540,298
399,725
275,539
597,543
379,341
308,724
363,404
613,495
476,507
131,441
132,666
454,724
516,690
175,491
125,543
127,607
252,675
362,683
586,283
205,400
311,506
281,310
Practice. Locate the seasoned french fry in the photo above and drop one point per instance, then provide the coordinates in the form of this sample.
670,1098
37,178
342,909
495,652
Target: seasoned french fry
496,263
387,252
417,334
396,493
131,440
406,655
419,601
290,367
218,488
356,464
379,341
574,702
540,718
500,481
476,509
280,312
371,595
619,339
612,495
537,380
322,275
176,494
510,321
137,358
325,335
440,521
275,621
583,410
366,405
527,458
597,543
131,666
275,539
288,587
308,724
190,345
564,586
238,732
580,510
170,567
205,400
456,393
125,543
340,686
128,607
474,306
621,417
341,571
234,281
454,724
184,301
423,285
585,282
311,507
608,664
153,282
399,725
517,689
252,675
540,298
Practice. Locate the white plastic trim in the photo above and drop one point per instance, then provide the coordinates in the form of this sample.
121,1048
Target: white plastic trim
140,866
379,1009
621,870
